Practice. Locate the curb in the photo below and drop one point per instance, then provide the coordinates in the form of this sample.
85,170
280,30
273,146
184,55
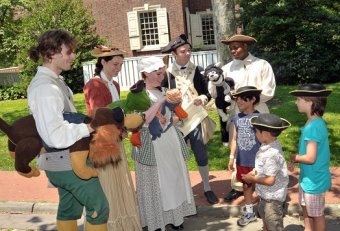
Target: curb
28,207
237,210
204,211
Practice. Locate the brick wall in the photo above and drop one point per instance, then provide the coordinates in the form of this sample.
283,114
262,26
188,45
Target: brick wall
111,20
199,5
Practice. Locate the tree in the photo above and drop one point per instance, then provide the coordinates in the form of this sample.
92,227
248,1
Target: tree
299,38
42,15
224,26
9,22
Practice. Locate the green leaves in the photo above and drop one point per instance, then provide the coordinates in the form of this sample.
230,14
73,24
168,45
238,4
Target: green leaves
299,38
37,16
8,29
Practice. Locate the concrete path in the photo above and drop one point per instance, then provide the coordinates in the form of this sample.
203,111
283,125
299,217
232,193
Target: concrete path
46,222
29,204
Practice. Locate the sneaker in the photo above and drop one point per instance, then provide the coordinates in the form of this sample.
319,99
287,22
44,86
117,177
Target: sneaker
246,219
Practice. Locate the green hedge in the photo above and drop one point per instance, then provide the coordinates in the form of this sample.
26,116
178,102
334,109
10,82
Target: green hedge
12,92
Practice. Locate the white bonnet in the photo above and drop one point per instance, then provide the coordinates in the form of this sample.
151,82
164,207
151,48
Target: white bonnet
150,64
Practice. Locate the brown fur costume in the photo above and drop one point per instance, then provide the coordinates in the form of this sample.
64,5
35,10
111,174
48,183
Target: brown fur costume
24,142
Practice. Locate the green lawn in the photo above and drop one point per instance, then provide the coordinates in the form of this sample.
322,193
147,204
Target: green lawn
282,105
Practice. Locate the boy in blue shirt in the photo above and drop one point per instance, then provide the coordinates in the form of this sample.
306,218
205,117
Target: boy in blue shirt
313,156
244,145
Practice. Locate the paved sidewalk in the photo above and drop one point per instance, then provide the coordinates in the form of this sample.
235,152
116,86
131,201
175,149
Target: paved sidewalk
46,222
28,204
18,193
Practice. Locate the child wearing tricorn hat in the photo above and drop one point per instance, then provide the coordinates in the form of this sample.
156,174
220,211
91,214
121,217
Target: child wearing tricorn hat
271,175
186,76
314,155
247,70
244,144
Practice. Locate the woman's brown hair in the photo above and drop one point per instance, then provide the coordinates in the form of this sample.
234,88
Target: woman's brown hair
318,104
99,65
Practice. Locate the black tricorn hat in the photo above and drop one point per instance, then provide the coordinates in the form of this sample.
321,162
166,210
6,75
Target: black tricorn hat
269,122
246,91
174,44
312,90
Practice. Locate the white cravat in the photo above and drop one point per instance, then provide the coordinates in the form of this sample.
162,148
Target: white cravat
111,86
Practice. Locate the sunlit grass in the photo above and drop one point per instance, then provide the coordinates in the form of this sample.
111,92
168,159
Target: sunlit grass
283,105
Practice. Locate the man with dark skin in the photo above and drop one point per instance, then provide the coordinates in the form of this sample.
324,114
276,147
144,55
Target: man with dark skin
247,70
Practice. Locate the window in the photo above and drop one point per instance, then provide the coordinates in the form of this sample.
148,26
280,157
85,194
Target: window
202,30
148,28
208,30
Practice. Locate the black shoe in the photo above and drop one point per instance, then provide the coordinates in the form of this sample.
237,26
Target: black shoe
211,197
232,195
180,227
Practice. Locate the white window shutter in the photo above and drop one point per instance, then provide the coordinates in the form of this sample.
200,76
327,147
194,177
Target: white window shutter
196,31
163,30
134,33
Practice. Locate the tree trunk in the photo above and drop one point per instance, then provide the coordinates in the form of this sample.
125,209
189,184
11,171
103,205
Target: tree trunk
224,27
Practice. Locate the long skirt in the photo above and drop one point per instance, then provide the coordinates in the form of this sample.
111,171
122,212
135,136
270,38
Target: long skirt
150,202
118,187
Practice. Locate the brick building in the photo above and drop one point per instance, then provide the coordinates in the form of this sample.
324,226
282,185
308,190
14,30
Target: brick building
145,27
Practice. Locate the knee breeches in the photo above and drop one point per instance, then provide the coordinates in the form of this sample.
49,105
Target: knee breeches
76,193
197,146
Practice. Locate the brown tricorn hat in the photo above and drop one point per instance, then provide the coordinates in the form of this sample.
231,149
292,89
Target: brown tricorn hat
240,38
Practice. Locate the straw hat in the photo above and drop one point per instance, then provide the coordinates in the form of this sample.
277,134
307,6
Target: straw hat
312,90
103,51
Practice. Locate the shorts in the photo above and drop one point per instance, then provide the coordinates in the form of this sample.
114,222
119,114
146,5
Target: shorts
271,212
240,170
314,203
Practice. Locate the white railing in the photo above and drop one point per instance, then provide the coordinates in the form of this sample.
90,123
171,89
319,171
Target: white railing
11,70
129,73
8,76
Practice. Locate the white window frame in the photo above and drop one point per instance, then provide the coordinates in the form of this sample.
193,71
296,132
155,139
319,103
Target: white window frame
195,25
210,15
135,34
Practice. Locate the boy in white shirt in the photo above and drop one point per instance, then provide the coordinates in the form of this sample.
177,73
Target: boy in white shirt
271,175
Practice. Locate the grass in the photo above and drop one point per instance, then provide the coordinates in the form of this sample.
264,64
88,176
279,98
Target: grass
283,105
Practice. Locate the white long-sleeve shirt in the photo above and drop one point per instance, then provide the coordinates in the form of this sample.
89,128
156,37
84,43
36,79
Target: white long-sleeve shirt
253,71
46,102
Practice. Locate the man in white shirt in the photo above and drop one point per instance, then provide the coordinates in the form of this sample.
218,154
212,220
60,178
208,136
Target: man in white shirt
247,70
49,99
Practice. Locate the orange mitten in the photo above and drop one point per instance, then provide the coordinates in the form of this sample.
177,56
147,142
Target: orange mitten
135,139
180,112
